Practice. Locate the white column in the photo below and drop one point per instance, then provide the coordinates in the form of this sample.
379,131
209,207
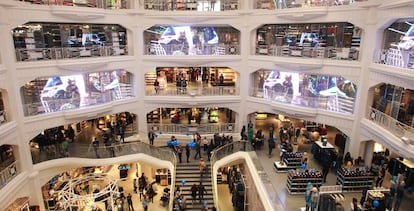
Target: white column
371,38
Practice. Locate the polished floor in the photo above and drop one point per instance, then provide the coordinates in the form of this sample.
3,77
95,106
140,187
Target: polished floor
290,202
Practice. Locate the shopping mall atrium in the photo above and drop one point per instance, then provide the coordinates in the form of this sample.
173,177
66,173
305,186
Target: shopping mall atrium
111,104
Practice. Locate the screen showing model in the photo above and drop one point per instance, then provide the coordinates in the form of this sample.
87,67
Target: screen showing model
59,93
186,40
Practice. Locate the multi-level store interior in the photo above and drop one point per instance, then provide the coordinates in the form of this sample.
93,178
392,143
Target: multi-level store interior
223,105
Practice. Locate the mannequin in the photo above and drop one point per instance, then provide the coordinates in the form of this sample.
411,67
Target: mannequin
308,195
314,198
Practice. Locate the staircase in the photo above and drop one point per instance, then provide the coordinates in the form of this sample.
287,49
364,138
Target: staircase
191,174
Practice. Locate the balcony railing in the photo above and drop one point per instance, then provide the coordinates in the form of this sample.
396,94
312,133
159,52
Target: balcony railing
179,50
104,4
8,173
396,127
209,128
196,91
191,5
109,150
287,4
350,54
23,55
50,105
335,102
395,57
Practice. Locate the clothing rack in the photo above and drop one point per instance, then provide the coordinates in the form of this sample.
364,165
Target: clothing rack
329,196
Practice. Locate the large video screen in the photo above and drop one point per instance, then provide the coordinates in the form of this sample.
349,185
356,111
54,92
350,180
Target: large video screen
73,91
184,40
293,87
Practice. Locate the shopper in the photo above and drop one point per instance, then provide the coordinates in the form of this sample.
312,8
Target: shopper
271,131
95,145
122,133
187,152
142,183
380,178
179,151
198,150
314,199
325,170
70,133
156,86
201,191
202,166
135,185
65,146
354,205
272,145
129,200
210,148
151,136
145,203
193,190
205,143
399,196
250,125
308,193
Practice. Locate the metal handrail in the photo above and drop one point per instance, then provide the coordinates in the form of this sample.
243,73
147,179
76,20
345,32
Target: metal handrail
395,57
179,50
58,53
103,4
396,127
112,149
350,54
194,91
57,105
202,128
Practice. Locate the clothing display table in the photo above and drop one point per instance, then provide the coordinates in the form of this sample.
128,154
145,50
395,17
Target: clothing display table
322,150
291,160
297,180
354,179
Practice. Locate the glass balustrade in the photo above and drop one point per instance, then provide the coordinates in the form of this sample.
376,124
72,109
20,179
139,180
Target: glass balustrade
196,5
40,54
194,91
395,57
104,150
289,4
203,128
103,4
350,54
177,50
51,105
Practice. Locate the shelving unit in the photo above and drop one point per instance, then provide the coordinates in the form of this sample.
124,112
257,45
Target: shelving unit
322,151
291,161
230,5
353,180
31,96
297,180
264,4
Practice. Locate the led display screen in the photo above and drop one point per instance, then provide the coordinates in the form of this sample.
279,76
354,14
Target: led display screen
73,91
185,40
